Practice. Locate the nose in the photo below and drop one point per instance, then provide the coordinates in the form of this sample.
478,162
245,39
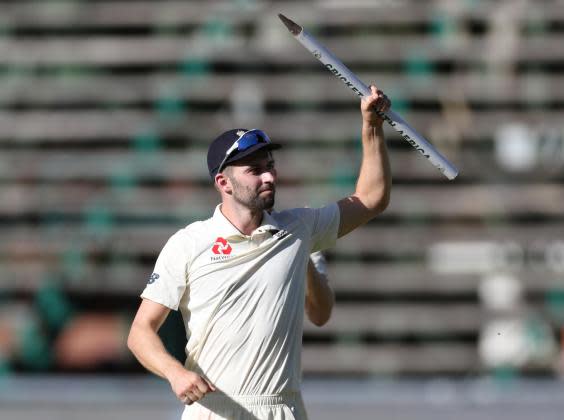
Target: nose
268,177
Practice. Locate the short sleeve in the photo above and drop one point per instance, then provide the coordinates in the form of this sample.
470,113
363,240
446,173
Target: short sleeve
167,283
325,226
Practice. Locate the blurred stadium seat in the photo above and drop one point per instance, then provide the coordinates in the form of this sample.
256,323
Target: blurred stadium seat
107,107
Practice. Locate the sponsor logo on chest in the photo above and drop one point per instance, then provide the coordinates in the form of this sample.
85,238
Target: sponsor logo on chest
221,249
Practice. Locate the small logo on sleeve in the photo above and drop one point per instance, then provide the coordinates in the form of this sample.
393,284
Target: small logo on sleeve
152,278
221,247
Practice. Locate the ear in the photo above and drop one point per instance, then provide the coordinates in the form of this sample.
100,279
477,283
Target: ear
223,183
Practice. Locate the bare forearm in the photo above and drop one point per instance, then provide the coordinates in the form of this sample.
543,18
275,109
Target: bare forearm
148,348
372,193
319,297
374,181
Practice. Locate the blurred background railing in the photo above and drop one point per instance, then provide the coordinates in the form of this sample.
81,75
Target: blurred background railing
106,111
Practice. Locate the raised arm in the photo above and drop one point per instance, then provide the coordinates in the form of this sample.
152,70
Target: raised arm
372,193
146,345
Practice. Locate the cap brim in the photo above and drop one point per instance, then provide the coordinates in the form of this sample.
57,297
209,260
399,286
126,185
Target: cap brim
253,149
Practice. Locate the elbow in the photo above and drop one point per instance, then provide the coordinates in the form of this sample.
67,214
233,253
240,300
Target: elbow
321,321
377,203
132,340
375,199
386,201
383,197
319,318
382,203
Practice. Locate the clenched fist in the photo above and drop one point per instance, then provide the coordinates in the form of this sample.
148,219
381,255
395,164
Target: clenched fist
189,387
374,104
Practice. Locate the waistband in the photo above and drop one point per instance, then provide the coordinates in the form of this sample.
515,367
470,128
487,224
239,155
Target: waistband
218,399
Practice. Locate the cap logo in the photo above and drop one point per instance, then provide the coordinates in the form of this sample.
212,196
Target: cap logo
240,133
221,247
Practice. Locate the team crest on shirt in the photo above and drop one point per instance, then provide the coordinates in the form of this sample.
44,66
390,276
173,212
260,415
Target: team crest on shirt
221,248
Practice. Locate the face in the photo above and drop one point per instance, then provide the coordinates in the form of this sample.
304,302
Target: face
253,181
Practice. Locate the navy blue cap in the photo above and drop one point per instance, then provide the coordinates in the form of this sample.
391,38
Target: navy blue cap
220,146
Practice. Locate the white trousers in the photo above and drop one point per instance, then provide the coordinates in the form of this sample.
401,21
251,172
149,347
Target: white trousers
219,406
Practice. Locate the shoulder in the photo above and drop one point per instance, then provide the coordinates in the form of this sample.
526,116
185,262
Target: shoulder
289,216
183,238
306,215
194,228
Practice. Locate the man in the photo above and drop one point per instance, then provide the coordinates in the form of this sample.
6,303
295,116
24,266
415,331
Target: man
238,279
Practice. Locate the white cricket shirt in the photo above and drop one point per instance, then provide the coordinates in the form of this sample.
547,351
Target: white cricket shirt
242,297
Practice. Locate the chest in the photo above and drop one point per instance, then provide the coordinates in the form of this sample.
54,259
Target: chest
239,267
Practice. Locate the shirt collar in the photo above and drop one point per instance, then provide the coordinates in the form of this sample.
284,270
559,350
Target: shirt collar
226,228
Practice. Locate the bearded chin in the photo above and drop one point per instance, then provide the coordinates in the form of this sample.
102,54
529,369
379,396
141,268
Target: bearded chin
268,203
256,203
253,200
262,203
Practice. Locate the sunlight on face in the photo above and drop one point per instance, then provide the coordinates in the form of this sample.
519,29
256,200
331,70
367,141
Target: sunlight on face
254,181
